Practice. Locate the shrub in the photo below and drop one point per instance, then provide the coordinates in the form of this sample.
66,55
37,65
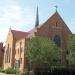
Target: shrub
10,71
25,72
1,69
22,73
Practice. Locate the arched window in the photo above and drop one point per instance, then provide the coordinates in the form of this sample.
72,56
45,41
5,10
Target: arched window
7,60
56,24
57,40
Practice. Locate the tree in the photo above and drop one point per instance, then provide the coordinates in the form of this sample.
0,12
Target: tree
71,49
43,53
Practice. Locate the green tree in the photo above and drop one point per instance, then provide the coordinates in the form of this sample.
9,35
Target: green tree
43,53
71,48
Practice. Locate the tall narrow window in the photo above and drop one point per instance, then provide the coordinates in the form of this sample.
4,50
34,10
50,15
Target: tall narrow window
20,60
20,47
57,40
15,51
56,24
18,50
7,57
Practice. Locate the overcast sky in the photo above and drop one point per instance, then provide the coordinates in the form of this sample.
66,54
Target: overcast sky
20,14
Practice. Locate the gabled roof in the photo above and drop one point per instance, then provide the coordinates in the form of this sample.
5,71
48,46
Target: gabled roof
56,14
19,34
55,17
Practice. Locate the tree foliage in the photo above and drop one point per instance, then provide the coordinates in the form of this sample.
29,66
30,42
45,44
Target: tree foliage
71,48
43,52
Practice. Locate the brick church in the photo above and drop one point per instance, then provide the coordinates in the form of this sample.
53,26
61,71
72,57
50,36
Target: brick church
54,28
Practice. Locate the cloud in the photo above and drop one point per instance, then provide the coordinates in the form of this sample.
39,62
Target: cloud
13,15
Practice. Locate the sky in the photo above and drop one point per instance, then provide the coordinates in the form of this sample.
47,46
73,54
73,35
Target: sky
21,14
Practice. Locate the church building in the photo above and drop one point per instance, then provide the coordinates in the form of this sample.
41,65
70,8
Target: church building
54,28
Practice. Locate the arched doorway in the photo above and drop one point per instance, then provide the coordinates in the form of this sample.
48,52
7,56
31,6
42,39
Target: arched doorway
57,40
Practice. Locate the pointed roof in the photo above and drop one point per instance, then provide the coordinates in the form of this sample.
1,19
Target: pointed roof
19,34
59,17
54,18
37,18
56,14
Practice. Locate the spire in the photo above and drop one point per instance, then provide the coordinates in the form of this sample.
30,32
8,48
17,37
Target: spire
37,18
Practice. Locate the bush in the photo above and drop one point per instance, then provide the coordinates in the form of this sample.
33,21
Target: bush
25,72
22,73
1,69
10,71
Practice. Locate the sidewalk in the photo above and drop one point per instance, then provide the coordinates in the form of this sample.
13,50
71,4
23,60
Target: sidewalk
6,74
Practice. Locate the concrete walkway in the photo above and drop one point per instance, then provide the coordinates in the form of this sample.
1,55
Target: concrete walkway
6,74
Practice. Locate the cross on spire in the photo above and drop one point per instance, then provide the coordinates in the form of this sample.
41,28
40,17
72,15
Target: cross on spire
56,7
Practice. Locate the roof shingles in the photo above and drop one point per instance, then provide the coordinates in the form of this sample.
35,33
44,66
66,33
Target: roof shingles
19,34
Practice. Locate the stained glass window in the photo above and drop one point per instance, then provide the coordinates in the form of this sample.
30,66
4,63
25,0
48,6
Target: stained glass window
57,40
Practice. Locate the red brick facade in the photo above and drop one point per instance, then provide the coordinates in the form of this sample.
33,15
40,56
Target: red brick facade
55,26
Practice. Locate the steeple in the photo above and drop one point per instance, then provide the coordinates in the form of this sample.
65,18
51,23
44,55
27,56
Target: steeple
37,18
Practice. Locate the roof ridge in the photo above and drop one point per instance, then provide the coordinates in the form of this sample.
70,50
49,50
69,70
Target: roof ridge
18,31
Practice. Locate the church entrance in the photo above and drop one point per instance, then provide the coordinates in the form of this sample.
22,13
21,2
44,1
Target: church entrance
17,64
